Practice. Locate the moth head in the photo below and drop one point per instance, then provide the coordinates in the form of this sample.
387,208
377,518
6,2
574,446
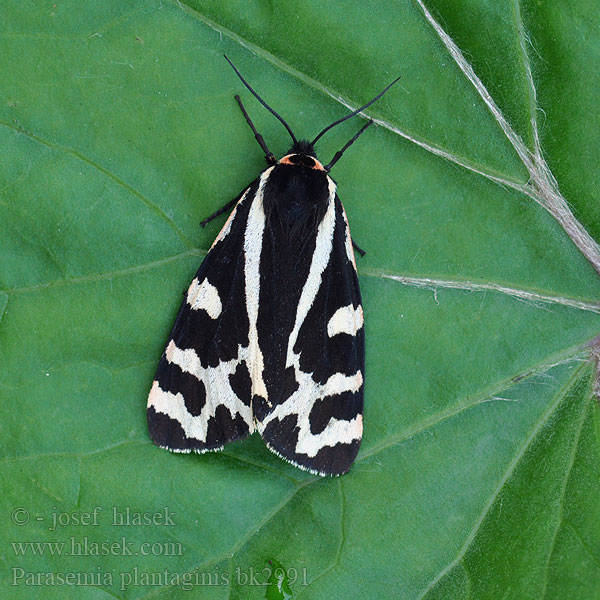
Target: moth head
302,154
303,148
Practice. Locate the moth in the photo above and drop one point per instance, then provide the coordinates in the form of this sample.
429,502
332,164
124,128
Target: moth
270,336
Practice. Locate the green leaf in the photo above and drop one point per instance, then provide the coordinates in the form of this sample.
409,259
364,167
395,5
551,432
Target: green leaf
278,582
475,199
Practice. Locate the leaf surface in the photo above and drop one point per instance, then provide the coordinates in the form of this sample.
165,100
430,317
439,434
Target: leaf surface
478,473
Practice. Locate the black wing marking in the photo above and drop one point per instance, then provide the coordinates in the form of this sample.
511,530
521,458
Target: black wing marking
201,396
315,420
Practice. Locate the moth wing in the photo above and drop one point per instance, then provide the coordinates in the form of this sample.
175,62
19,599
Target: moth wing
201,395
318,427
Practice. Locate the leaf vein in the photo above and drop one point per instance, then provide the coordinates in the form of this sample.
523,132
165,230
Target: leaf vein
520,294
542,186
561,498
106,275
589,551
576,354
531,91
66,150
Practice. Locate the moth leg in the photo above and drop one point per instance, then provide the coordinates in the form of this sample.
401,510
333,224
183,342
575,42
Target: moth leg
223,209
269,156
358,248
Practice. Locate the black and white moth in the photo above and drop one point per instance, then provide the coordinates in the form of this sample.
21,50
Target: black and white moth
270,335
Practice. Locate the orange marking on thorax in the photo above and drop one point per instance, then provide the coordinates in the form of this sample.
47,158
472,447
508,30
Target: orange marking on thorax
286,161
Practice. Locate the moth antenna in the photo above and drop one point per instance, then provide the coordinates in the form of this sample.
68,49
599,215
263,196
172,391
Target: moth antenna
354,113
347,145
263,102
